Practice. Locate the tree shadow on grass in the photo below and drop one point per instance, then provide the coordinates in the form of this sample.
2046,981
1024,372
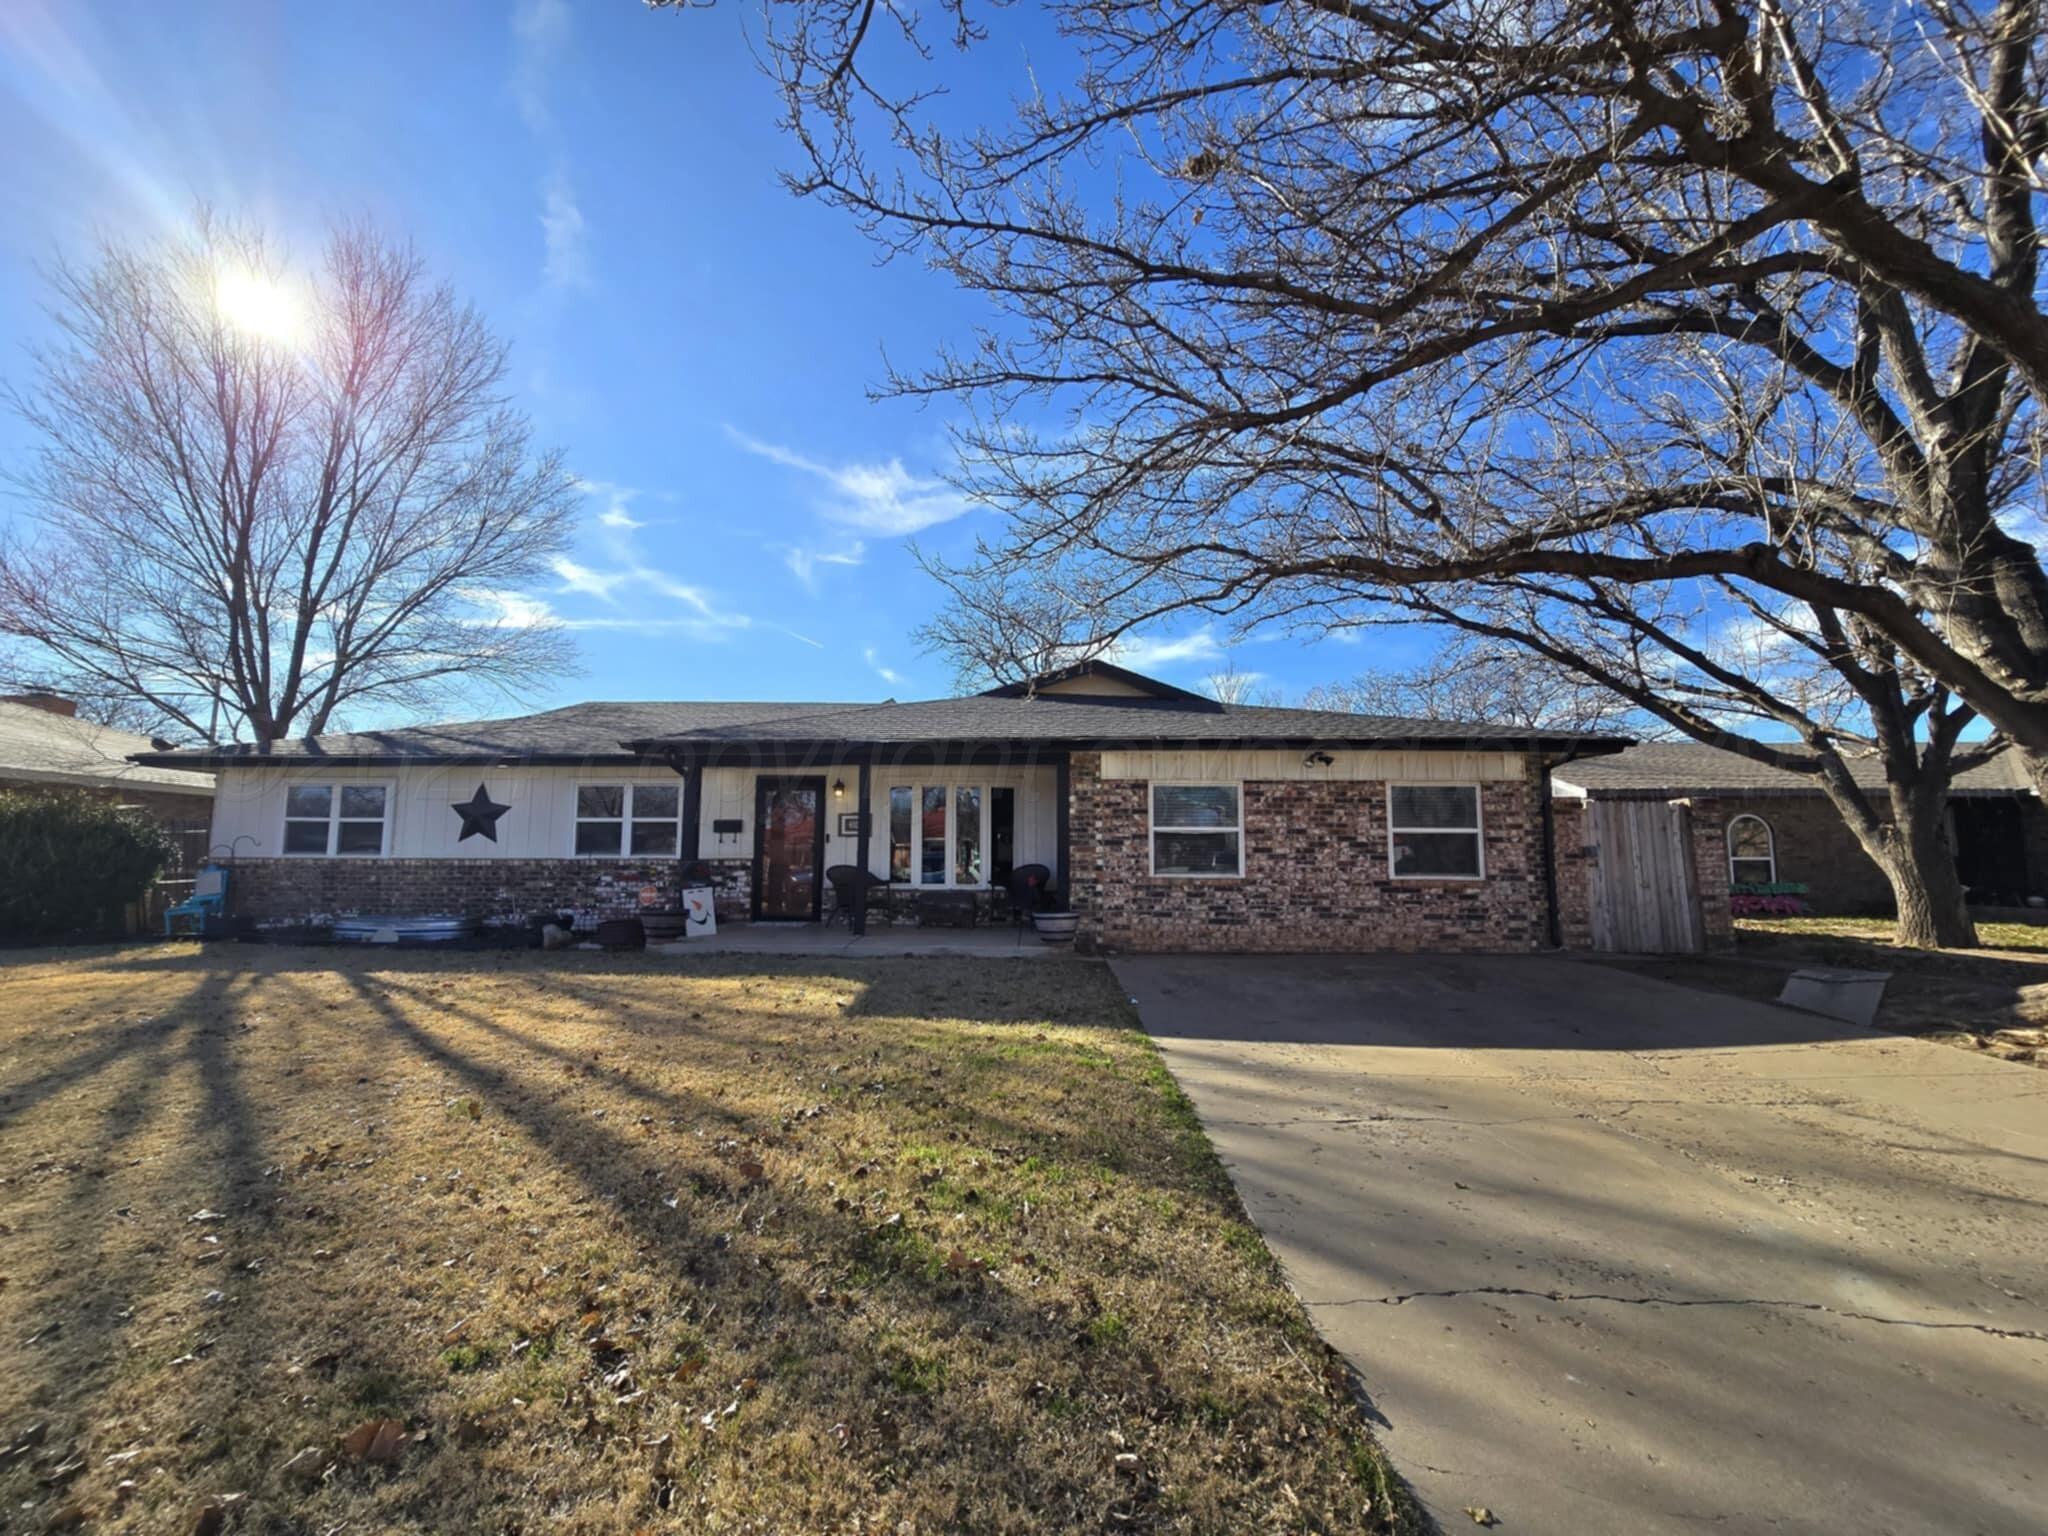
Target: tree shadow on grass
964,1364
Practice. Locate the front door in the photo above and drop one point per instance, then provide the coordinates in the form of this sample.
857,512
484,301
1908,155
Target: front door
789,849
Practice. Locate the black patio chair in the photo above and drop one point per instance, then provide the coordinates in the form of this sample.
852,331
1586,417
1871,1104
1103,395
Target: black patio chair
846,881
1027,886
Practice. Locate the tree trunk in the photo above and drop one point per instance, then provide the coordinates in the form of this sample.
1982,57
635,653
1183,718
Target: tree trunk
1916,858
2035,765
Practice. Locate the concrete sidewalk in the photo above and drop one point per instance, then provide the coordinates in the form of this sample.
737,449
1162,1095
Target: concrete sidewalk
1617,1256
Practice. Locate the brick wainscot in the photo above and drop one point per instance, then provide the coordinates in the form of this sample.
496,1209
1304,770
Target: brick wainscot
294,892
1316,878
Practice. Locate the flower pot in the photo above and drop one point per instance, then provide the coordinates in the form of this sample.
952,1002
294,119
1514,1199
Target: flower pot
1056,927
664,927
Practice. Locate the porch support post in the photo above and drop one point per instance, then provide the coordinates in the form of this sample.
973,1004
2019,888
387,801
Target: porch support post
693,808
859,921
1062,836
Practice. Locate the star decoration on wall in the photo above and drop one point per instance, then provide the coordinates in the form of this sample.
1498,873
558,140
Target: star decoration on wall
479,813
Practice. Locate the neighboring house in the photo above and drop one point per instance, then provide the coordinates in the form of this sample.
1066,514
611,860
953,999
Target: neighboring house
1776,828
1169,821
44,745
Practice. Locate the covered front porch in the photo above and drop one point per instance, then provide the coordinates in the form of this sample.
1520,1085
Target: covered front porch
916,840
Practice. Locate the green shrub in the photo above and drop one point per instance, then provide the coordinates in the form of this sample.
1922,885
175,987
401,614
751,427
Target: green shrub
70,863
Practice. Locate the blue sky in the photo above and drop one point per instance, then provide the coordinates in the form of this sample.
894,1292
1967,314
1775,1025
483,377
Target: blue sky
600,180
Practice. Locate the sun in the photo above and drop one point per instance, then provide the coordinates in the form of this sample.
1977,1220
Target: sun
259,304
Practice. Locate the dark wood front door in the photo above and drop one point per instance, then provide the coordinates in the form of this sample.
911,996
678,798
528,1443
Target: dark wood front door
789,849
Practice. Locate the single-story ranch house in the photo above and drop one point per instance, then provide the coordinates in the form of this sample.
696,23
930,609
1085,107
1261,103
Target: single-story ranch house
1165,819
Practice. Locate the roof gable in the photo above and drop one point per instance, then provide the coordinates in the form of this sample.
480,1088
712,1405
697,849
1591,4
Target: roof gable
1096,678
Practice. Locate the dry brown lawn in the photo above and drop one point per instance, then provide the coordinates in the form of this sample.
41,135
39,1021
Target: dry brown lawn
1993,999
315,1241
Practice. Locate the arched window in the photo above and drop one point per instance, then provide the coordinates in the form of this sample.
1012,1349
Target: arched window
1752,853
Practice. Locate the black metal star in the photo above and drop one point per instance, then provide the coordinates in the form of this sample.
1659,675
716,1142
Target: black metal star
479,814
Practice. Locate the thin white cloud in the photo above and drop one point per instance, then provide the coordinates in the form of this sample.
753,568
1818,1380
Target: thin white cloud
520,610
887,674
619,517
510,610
879,497
540,37
561,221
540,30
1141,653
581,578
803,560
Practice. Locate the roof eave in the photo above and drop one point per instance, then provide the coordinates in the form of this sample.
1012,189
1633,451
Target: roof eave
1576,746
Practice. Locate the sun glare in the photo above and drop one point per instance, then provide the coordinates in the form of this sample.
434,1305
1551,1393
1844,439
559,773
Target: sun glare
260,305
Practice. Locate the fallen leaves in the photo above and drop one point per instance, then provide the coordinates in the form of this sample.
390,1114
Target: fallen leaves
1481,1515
377,1442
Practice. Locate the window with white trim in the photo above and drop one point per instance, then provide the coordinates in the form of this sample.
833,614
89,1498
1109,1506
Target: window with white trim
1752,852
642,821
336,820
961,836
1433,832
1198,830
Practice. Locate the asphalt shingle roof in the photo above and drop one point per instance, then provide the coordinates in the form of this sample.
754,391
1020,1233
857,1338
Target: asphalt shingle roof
575,732
591,731
1063,719
39,747
1692,768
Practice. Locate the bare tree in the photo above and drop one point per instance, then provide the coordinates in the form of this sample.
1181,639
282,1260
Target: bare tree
1353,303
262,500
1707,661
1234,685
1479,678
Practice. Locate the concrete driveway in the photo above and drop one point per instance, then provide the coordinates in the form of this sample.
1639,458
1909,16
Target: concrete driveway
1617,1256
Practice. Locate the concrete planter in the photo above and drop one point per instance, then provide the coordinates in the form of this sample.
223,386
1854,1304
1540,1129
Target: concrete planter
1056,927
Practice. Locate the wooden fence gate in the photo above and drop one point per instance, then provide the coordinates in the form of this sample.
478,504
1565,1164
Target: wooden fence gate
1644,897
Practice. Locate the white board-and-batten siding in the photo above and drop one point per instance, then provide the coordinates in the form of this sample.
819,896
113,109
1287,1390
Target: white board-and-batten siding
1266,764
540,822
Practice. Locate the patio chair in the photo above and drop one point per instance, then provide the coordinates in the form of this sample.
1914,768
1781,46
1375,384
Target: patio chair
209,899
847,881
1026,886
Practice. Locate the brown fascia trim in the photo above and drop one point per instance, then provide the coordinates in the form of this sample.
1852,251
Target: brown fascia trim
739,751
388,760
1771,792
854,751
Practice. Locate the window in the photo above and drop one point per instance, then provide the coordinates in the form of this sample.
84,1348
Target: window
1002,834
1433,832
643,820
901,798
932,833
341,819
1752,852
1197,830
967,835
953,835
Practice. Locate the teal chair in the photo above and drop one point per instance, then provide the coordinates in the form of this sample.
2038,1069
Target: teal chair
209,898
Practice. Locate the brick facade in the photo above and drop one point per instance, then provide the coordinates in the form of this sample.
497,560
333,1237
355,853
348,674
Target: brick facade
1572,842
293,892
1814,846
1707,829
1315,874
